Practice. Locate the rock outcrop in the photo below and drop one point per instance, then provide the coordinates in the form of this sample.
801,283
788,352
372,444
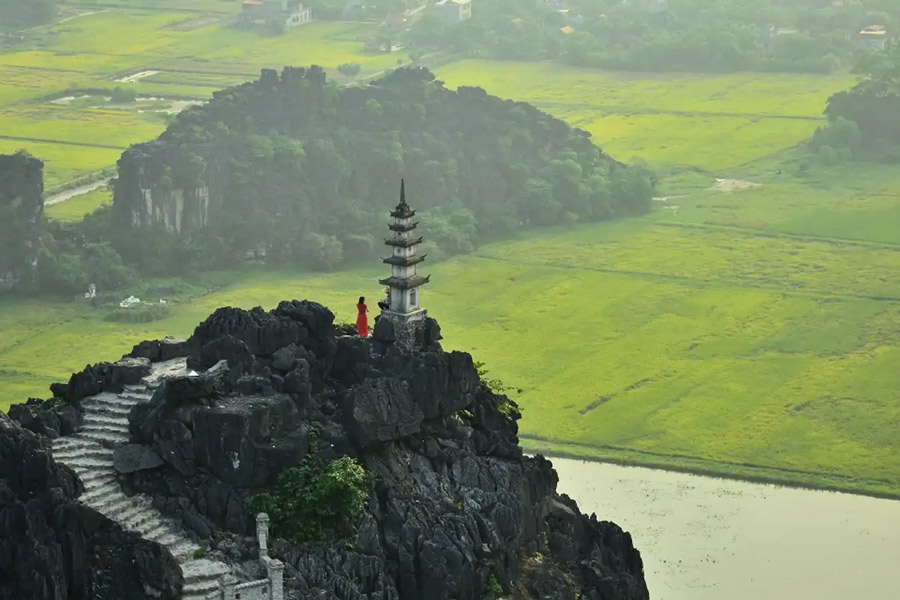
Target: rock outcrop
453,502
54,548
454,509
21,207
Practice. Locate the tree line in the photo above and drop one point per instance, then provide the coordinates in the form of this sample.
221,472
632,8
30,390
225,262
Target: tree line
864,122
664,35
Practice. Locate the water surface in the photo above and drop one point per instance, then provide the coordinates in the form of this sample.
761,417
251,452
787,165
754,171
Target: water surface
703,538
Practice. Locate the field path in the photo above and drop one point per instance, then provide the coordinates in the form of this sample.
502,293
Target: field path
65,143
694,281
777,234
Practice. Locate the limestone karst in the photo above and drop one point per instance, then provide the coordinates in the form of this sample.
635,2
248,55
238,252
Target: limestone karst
453,505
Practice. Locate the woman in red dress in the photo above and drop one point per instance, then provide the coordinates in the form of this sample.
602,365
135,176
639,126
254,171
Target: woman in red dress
362,320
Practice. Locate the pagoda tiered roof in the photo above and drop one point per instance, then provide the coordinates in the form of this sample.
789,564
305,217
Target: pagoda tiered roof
401,227
403,261
403,211
403,242
405,283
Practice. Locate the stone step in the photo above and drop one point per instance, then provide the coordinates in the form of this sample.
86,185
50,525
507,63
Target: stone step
105,436
96,493
135,397
110,398
90,463
135,515
170,538
144,521
115,504
117,406
183,551
95,478
99,418
65,455
202,569
114,412
66,443
152,528
101,398
115,427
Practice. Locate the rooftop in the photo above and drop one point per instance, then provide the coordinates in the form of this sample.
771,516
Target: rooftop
405,283
403,243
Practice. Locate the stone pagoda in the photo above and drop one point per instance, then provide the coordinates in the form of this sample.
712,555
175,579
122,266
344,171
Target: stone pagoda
403,310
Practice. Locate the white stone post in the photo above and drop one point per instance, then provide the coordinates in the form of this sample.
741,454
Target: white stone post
227,584
275,569
262,534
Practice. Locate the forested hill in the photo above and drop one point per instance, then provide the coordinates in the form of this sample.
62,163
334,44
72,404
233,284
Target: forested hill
301,170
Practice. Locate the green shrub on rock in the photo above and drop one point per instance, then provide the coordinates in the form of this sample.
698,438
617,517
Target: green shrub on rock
316,500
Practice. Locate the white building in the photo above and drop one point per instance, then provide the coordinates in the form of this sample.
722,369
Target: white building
454,10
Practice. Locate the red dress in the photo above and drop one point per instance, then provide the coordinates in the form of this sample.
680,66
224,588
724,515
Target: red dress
362,321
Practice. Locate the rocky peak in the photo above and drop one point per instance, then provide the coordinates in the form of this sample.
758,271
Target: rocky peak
453,506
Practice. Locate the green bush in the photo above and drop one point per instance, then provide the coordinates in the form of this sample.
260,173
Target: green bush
201,551
315,501
120,95
507,406
492,589
141,313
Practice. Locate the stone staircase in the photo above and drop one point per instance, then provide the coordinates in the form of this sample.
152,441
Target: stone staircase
89,453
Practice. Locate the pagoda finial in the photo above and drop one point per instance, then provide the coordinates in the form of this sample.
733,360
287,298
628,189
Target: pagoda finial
402,192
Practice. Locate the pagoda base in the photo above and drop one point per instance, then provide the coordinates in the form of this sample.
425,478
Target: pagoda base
406,330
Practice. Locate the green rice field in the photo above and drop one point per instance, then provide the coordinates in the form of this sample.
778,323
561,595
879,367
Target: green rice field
166,53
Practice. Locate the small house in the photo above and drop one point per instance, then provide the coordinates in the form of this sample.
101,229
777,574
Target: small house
454,11
873,37
567,30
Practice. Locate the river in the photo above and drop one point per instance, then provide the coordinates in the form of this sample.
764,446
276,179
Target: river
703,538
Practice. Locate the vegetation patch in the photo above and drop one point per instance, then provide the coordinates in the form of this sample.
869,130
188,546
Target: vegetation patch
315,501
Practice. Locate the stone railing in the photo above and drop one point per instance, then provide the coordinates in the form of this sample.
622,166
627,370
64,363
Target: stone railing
270,588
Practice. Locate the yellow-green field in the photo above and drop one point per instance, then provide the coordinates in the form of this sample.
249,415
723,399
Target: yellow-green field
191,53
711,122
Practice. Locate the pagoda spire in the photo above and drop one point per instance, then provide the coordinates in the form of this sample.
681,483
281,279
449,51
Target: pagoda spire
403,303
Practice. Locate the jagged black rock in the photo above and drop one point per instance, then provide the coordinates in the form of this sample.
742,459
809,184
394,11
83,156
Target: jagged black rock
453,501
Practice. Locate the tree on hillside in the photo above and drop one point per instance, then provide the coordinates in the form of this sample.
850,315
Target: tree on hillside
349,70
873,105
